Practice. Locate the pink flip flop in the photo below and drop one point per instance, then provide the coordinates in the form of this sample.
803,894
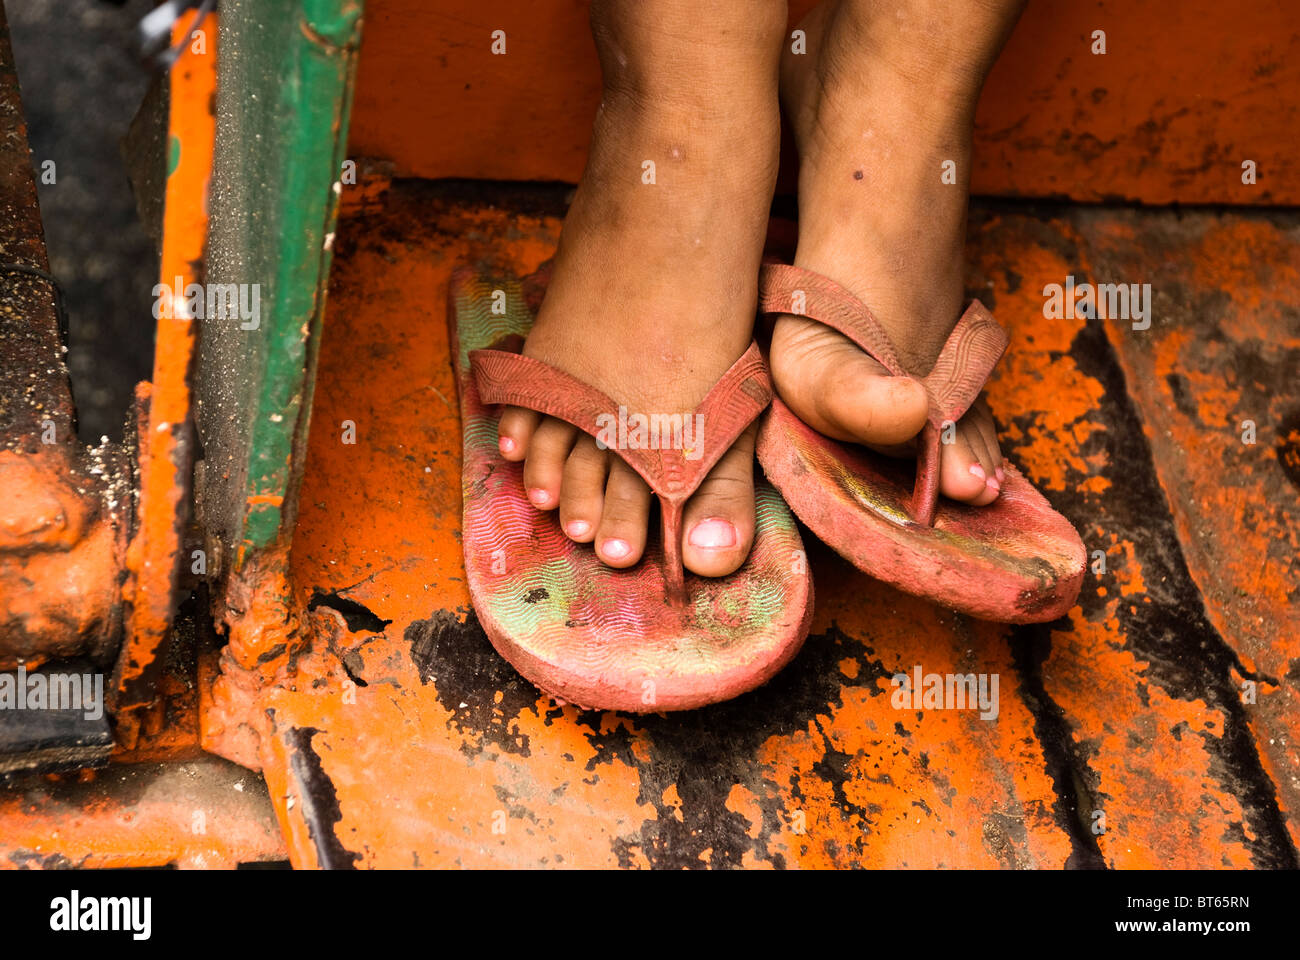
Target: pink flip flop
1016,560
650,638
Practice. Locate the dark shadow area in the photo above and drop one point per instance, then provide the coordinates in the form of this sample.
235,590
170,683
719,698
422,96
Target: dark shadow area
81,85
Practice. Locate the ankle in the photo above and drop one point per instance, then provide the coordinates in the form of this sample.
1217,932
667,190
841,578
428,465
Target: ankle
886,221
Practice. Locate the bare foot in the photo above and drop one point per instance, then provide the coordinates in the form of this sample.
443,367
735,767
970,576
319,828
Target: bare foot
883,98
655,281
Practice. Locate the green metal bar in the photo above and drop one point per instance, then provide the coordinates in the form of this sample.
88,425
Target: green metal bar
285,82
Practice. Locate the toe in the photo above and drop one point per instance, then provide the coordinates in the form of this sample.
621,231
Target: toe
981,451
718,524
982,417
965,467
840,391
515,431
621,533
548,449
582,489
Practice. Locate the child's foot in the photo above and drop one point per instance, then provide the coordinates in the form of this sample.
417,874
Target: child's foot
655,282
881,101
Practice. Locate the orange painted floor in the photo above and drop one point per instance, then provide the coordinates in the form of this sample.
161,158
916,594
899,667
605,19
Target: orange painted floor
1154,726
1127,734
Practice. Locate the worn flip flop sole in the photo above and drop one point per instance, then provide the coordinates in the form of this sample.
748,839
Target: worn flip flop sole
1014,561
582,631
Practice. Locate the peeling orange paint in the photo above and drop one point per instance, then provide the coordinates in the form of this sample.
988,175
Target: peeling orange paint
1228,351
165,432
1147,753
200,814
1045,437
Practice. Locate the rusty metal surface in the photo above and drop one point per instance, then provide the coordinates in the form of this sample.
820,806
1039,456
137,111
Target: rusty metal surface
1217,384
397,737
204,813
1135,686
265,634
167,729
34,389
61,552
61,506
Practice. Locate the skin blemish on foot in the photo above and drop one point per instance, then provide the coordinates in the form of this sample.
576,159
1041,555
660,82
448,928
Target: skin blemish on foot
857,174
675,153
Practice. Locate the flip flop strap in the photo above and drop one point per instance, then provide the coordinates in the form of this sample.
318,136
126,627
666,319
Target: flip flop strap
959,373
742,393
673,474
964,364
784,288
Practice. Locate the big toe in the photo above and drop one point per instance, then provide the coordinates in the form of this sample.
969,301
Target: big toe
840,391
970,465
718,524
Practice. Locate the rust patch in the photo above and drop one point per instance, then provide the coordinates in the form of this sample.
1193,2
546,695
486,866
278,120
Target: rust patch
62,545
204,813
1141,678
265,635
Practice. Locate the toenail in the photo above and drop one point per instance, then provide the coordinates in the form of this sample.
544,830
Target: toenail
992,483
507,445
616,549
1000,474
713,534
978,471
577,528
539,496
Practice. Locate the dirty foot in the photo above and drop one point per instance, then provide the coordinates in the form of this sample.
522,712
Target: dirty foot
655,282
881,102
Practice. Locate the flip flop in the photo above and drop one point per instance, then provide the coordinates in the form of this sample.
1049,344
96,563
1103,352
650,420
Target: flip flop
1015,560
651,638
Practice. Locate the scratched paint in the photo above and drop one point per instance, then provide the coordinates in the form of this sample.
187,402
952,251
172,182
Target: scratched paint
205,813
1227,350
1140,675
